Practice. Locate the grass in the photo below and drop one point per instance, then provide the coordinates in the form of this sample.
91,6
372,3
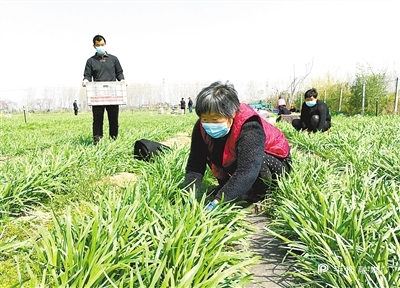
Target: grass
339,210
143,233
64,223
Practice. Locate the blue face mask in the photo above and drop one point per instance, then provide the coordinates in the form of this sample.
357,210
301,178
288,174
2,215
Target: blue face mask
216,130
311,103
100,50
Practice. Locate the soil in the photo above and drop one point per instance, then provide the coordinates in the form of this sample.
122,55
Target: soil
180,139
269,273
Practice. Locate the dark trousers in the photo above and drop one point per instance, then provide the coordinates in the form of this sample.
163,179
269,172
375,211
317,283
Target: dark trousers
98,117
76,111
271,169
299,125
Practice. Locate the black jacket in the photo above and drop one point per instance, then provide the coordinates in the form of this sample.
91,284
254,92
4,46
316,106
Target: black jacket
105,68
284,111
320,109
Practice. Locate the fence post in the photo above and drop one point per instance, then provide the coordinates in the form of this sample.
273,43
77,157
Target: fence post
396,101
24,115
363,99
340,99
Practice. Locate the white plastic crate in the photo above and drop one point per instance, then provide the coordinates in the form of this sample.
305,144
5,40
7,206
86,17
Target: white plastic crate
106,93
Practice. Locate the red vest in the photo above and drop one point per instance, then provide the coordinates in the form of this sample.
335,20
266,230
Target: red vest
276,143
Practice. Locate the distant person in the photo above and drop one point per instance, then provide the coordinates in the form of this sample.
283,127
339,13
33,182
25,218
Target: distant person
103,67
190,105
314,114
75,104
282,109
293,108
245,153
183,105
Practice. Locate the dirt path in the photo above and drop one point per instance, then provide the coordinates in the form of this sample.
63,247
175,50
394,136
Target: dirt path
269,273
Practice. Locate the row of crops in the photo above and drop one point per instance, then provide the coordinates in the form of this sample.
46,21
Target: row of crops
339,212
63,224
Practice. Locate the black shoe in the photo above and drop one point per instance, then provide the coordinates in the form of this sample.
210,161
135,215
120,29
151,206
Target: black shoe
253,196
96,139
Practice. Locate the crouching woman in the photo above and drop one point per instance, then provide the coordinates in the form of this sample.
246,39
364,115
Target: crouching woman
246,154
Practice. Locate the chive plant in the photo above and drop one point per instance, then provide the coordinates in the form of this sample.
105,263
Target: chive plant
151,233
338,210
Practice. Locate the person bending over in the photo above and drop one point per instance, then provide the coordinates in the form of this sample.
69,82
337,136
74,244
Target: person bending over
245,153
282,109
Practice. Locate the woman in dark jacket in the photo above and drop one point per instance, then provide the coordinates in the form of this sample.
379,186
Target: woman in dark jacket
243,151
314,114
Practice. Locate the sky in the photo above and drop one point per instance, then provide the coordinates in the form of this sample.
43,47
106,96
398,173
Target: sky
47,43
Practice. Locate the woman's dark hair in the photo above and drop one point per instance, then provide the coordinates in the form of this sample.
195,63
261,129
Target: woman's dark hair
218,98
311,93
98,38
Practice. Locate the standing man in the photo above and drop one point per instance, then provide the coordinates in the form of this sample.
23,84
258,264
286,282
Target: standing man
103,67
75,107
183,105
190,105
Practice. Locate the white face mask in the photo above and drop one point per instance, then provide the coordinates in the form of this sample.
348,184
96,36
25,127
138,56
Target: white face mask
216,130
311,103
100,50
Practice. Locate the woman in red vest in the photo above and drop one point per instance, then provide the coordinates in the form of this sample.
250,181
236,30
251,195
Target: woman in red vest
243,151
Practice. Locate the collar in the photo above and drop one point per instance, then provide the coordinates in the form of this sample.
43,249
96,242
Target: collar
99,57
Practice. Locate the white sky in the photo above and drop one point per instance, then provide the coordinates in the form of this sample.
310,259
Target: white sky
47,43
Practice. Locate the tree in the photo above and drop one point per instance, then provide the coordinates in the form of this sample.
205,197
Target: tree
39,103
331,90
252,91
297,81
376,86
30,99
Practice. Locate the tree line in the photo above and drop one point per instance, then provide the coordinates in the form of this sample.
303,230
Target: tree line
369,92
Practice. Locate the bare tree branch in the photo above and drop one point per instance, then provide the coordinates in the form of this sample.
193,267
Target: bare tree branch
299,80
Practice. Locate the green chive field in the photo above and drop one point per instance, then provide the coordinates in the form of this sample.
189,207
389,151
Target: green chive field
73,214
